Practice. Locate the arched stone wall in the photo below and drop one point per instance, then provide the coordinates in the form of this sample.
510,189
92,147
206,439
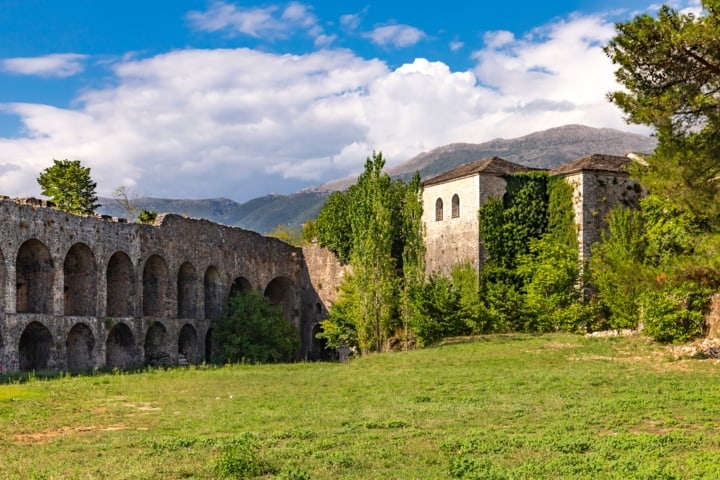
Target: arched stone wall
34,278
281,291
156,345
188,344
120,282
35,348
239,285
80,348
92,287
155,284
80,281
120,348
213,293
187,291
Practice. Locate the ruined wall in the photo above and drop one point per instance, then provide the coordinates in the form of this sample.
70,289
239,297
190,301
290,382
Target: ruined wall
454,237
595,194
79,292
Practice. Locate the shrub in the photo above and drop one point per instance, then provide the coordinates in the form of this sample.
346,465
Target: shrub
251,329
674,315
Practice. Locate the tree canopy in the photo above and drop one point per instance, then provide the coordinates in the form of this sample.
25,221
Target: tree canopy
375,227
670,68
69,185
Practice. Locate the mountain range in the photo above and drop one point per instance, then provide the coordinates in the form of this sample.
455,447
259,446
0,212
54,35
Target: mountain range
546,149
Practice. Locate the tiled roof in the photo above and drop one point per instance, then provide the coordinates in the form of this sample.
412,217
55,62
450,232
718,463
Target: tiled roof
488,166
606,163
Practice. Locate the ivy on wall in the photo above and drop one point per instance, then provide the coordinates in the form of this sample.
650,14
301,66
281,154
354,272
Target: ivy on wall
531,275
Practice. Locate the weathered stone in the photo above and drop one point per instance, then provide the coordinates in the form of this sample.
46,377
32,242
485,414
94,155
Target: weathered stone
79,292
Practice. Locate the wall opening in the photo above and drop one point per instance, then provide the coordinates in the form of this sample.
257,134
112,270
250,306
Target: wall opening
213,293
438,209
281,291
34,278
80,270
120,350
187,291
455,206
188,344
120,286
155,283
156,351
36,344
239,285
80,346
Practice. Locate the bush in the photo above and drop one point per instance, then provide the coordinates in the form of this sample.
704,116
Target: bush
435,311
674,315
251,329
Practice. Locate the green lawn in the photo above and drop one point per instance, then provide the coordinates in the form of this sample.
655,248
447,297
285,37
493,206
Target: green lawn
500,407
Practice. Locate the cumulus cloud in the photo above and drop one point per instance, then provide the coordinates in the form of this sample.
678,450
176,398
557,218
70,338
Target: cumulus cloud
59,65
206,123
399,36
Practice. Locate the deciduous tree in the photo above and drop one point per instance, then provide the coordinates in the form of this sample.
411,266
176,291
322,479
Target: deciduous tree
69,185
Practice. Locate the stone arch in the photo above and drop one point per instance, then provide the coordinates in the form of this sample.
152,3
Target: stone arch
156,345
120,286
188,344
80,346
36,344
34,278
155,281
239,285
213,293
208,345
120,347
80,273
281,291
455,213
438,209
187,291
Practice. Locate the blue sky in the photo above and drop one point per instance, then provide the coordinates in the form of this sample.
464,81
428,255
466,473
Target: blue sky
202,99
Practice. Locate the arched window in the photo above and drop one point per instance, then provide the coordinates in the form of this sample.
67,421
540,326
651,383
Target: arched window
438,209
455,206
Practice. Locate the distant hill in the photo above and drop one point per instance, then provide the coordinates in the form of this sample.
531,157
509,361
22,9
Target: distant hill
546,149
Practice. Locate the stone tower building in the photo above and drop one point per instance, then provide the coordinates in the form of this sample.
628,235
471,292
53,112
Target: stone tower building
451,202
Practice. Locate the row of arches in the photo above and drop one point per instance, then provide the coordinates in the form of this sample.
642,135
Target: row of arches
34,283
37,347
455,208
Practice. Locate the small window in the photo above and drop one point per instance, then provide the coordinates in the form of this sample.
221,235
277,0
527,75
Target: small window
455,206
438,209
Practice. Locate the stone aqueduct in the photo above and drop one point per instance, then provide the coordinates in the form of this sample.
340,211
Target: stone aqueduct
80,292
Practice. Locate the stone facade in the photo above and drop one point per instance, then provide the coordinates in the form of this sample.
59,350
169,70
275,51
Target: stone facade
451,202
450,211
79,292
600,182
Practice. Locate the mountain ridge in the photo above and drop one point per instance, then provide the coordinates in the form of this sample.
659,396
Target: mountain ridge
544,149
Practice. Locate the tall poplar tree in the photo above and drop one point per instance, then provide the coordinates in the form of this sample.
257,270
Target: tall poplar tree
376,227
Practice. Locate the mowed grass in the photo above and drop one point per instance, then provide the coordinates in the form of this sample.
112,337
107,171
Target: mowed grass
498,407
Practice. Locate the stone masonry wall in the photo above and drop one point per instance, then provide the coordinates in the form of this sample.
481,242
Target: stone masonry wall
79,292
595,194
455,239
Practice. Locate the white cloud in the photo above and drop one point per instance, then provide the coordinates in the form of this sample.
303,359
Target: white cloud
59,65
396,35
206,123
351,21
270,22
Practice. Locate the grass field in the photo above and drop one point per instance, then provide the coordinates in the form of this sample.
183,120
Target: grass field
500,407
